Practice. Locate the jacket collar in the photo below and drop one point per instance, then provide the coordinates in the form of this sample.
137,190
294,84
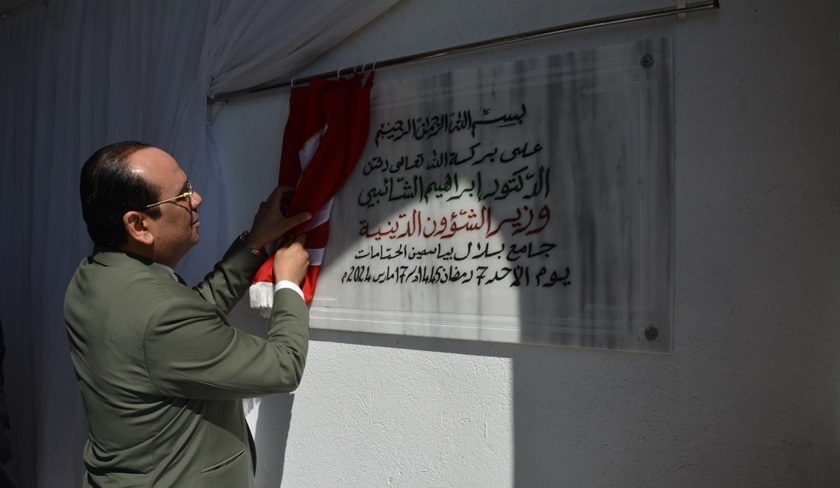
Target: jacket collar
113,258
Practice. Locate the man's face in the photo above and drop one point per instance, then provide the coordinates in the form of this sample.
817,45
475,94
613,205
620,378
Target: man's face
176,231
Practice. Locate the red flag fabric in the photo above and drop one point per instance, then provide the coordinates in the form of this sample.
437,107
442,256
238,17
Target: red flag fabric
326,132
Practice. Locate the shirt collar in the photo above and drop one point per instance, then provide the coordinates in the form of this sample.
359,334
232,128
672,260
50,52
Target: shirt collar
171,271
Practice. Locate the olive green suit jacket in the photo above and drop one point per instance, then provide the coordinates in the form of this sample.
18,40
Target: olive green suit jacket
162,373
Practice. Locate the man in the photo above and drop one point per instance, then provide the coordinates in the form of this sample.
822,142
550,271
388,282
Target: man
161,371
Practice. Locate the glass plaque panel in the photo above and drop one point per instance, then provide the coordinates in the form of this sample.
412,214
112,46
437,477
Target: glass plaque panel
529,201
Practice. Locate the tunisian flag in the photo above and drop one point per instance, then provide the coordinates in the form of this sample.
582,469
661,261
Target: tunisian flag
325,134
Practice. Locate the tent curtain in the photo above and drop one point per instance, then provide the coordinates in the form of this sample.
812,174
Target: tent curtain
74,76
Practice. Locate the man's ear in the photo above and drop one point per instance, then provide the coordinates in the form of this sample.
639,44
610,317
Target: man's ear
137,229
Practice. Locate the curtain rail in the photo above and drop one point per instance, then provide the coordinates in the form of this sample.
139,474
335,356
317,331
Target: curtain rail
679,10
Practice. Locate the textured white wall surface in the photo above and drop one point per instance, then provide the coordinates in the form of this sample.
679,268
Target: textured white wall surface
750,395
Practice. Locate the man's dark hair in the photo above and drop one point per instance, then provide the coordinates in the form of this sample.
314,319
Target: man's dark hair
109,188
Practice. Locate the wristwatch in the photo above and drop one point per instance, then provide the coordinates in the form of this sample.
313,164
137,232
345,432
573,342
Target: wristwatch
256,252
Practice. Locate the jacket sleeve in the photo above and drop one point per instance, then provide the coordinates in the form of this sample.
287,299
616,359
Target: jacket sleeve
230,278
191,350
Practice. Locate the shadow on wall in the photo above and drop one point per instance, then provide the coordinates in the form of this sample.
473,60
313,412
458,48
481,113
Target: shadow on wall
272,436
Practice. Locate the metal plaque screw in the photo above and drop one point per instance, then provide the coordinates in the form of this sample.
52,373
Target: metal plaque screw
651,333
646,61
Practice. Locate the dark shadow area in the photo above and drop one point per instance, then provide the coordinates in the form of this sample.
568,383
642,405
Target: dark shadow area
414,343
272,437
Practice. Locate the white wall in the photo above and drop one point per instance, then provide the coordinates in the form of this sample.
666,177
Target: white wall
750,395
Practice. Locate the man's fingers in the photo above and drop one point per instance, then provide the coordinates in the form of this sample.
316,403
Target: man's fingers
300,218
282,196
288,240
275,195
290,223
285,190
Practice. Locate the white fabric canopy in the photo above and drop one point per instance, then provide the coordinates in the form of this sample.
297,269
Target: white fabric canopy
74,76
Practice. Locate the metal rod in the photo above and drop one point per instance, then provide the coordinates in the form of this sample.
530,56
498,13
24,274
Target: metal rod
574,26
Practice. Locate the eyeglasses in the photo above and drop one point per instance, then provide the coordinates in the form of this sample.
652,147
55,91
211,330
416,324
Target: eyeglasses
186,194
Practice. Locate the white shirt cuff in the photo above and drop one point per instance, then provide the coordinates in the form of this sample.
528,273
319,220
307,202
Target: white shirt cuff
288,284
